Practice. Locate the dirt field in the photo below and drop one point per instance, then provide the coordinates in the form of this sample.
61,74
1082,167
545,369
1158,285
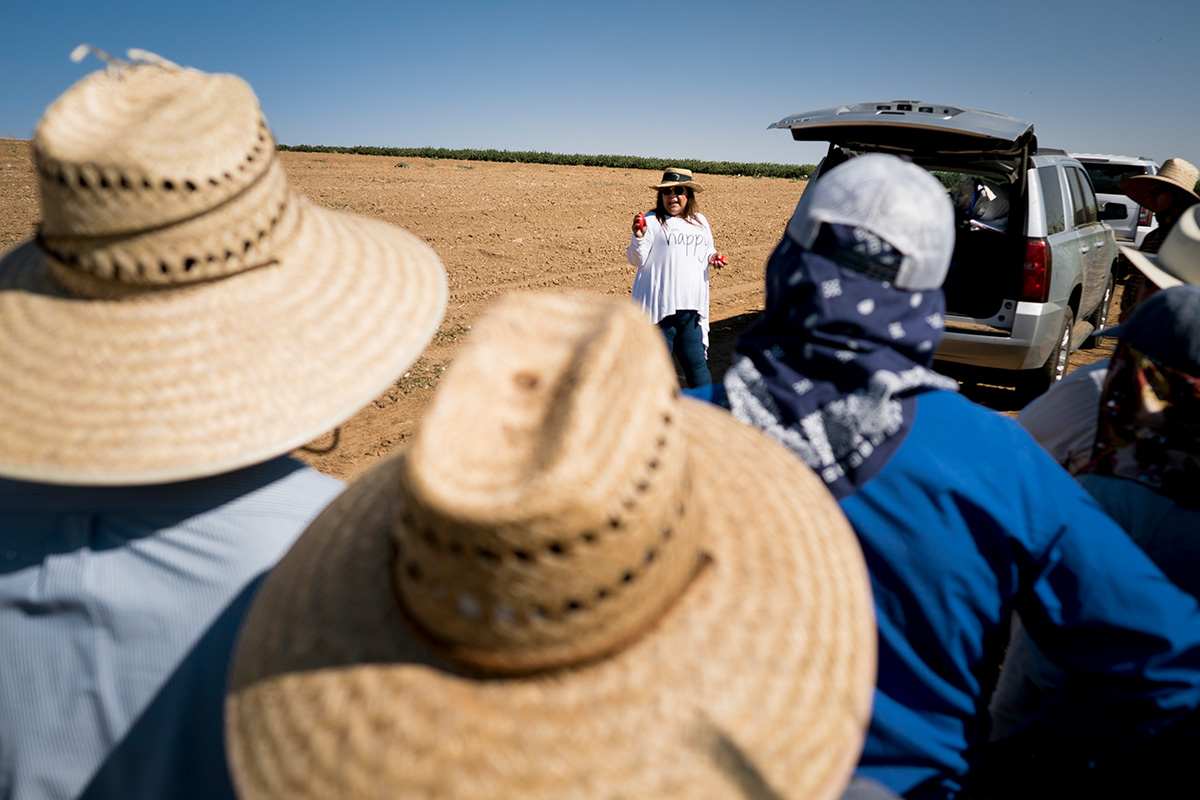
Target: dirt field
499,228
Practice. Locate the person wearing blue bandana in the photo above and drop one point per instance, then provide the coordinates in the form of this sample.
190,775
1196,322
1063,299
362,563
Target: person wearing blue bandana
963,518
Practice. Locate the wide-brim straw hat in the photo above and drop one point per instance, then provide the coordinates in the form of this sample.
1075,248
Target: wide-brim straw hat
1176,179
181,311
678,176
571,583
1177,261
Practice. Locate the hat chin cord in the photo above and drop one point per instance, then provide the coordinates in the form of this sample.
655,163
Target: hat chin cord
134,54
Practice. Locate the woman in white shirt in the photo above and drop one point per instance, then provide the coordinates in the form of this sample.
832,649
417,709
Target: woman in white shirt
672,248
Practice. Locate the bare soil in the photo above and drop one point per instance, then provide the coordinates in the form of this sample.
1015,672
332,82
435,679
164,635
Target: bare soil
500,228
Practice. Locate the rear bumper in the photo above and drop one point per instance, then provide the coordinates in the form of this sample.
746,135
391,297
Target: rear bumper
1026,346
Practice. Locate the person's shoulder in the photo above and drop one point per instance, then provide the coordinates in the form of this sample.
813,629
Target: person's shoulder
951,418
948,402
1082,386
287,477
978,449
1093,373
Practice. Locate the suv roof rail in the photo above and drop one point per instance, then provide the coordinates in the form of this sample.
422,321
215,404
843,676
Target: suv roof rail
1050,151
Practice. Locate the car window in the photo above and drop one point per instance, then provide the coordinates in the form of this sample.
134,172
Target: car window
1106,177
1083,202
1052,199
1090,203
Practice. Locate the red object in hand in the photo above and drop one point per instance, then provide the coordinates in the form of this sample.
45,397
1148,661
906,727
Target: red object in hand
719,259
641,222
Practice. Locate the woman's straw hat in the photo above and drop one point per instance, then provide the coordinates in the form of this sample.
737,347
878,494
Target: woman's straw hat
572,583
1177,178
678,176
181,311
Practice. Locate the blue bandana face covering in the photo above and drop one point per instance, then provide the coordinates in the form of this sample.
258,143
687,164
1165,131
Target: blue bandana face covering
832,369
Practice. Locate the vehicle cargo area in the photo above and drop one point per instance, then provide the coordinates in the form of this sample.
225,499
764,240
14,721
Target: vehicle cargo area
985,269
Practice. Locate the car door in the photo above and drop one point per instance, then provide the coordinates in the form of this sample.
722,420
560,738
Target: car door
1092,239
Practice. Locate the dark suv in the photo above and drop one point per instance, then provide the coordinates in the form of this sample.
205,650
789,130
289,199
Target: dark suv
1031,274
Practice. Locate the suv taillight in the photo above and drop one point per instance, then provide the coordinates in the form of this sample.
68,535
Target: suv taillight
1144,215
1035,277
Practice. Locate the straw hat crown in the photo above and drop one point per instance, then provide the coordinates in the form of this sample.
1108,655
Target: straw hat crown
154,174
553,539
677,176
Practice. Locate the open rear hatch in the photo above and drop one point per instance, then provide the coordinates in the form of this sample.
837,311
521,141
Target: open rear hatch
949,141
914,128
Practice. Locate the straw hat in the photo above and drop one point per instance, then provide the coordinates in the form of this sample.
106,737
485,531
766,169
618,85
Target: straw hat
181,311
572,583
1157,192
1178,258
678,176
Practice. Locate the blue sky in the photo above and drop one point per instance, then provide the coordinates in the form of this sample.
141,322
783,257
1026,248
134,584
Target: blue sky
685,80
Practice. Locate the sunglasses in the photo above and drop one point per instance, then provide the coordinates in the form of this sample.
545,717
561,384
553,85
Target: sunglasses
670,190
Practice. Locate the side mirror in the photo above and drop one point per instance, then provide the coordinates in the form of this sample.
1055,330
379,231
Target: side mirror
1114,211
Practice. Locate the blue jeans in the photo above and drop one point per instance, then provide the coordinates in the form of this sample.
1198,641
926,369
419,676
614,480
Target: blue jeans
686,341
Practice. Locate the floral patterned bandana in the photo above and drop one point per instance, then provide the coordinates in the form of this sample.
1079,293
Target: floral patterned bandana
832,369
1149,428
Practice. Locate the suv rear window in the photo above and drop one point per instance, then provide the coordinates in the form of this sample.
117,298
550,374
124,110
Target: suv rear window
1105,177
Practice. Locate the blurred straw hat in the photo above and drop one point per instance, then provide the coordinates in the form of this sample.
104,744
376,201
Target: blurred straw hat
1178,258
1177,178
181,311
572,583
678,176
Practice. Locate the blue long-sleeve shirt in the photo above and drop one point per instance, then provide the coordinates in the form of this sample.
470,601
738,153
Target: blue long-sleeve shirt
119,607
967,522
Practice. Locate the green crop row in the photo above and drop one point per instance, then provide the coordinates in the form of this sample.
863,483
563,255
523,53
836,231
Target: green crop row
757,170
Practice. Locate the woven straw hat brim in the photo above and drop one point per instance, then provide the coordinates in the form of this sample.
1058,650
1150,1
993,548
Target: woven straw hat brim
200,380
757,683
1177,261
1146,263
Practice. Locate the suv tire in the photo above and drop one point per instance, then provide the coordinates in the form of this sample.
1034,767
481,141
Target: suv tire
1036,381
1099,317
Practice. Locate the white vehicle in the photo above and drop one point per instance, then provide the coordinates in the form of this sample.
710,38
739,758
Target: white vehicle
1106,172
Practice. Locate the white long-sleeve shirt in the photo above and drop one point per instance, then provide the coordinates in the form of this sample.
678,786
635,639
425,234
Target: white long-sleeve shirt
672,267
